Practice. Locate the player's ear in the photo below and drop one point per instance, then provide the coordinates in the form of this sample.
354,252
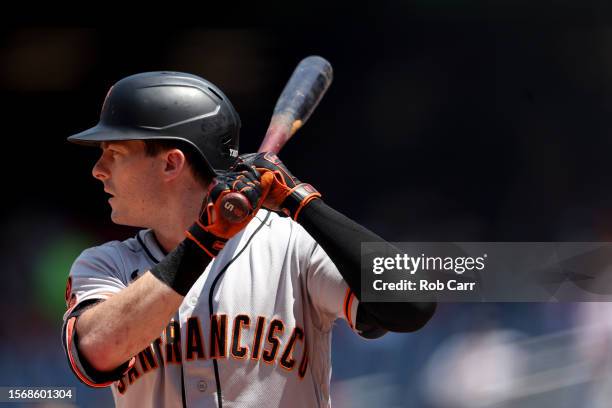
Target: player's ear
174,163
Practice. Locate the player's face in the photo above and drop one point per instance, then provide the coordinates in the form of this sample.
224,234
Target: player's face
130,177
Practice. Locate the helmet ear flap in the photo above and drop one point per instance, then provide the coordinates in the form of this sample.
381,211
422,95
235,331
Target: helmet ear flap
169,106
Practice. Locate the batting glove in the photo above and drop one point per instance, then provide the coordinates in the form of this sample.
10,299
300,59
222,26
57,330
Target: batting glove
210,232
284,191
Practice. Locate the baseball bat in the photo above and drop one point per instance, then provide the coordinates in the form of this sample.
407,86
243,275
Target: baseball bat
299,98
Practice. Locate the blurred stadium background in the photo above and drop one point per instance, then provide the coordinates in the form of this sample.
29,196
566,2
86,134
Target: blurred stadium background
446,121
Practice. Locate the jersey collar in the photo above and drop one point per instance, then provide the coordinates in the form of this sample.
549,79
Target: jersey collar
148,240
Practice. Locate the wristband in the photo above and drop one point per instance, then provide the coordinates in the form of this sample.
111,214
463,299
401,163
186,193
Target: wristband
182,267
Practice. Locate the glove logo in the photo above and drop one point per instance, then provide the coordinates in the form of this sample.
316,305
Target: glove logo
272,158
308,188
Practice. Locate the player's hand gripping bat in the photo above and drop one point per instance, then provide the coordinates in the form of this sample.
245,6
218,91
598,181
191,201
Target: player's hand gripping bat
303,91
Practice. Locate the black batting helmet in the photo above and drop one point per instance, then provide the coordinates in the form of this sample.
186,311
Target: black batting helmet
169,106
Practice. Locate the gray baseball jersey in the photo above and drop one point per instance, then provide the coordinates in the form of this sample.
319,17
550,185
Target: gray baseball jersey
256,326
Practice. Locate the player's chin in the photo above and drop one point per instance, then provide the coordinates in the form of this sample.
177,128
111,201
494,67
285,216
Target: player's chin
122,218
116,218
119,217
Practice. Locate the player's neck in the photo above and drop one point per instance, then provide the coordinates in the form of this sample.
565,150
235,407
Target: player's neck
166,241
176,216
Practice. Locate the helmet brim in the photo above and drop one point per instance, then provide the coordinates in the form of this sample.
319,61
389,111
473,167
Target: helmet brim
101,133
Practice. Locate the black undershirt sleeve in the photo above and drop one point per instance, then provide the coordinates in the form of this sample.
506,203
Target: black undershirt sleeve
182,267
341,239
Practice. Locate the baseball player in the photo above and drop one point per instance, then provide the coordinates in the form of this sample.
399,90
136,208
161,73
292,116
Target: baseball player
195,311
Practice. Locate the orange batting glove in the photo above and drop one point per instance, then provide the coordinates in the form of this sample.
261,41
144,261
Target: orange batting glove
211,231
284,191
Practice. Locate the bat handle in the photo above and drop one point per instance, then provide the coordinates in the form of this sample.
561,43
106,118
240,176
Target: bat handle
234,206
301,95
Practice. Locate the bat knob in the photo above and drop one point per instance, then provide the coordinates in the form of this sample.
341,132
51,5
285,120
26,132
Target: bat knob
234,207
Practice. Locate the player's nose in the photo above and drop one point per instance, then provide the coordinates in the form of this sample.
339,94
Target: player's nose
100,171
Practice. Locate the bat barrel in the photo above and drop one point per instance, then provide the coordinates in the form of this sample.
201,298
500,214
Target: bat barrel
307,85
303,92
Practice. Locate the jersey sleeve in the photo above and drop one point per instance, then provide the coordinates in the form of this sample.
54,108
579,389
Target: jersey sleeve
328,291
95,275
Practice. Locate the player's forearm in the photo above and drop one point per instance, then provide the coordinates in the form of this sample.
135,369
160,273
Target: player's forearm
341,239
115,330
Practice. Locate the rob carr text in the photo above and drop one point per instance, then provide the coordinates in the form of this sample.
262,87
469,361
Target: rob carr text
424,285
